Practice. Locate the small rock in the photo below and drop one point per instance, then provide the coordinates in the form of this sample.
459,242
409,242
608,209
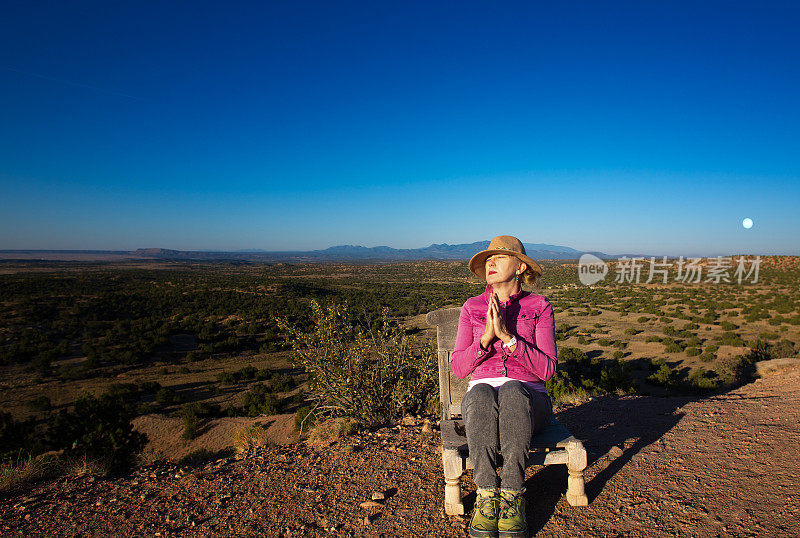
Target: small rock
367,521
427,427
409,421
615,452
366,505
379,496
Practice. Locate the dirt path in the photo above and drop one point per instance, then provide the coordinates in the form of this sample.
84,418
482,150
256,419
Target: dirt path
721,466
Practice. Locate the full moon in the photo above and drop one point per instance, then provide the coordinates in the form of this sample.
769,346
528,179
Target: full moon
747,223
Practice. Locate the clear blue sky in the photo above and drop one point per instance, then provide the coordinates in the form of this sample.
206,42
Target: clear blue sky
613,126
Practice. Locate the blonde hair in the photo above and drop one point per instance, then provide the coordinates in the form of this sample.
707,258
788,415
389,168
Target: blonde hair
529,278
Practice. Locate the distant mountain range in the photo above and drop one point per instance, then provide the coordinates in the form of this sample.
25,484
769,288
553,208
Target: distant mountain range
443,251
341,253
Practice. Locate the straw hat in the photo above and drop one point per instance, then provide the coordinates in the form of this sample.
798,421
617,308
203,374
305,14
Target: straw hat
502,244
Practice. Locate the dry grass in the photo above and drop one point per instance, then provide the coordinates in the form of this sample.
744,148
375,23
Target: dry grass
250,438
29,469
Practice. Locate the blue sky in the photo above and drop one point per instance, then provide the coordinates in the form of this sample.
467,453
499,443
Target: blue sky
613,126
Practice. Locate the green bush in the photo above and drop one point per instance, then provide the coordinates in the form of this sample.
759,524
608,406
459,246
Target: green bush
17,437
259,400
100,430
663,376
692,351
669,330
643,319
283,383
702,380
577,374
728,326
167,396
618,354
369,373
693,341
731,339
190,421
632,331
604,342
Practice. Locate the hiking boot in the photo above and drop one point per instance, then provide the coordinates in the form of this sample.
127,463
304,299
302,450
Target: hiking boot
511,520
484,518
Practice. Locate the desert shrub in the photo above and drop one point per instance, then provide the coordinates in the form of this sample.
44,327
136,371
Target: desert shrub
707,357
578,375
735,370
191,423
615,376
760,350
693,341
604,342
98,429
632,331
766,335
728,326
167,396
702,380
643,319
259,400
251,437
671,346
777,320
731,339
582,339
619,344
692,351
226,378
784,348
283,383
16,437
367,372
664,319
653,338
669,330
618,354
149,387
664,376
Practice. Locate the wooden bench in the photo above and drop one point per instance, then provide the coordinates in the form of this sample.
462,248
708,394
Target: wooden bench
552,445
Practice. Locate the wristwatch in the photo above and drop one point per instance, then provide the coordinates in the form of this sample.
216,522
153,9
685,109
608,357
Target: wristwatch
511,342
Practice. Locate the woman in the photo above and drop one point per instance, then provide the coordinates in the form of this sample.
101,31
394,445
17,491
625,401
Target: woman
506,340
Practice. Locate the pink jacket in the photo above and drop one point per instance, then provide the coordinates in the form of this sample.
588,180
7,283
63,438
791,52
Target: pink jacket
529,317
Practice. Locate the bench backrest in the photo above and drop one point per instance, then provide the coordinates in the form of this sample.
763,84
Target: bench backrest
451,388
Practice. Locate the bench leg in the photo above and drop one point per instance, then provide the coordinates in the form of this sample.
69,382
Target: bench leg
576,464
453,468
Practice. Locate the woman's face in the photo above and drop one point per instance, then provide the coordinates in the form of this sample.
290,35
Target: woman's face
501,268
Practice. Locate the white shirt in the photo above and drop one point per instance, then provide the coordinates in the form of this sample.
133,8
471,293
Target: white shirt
497,381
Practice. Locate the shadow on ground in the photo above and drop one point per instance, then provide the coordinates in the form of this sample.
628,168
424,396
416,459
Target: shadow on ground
605,422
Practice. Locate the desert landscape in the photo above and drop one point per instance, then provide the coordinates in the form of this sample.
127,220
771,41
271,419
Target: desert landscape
685,396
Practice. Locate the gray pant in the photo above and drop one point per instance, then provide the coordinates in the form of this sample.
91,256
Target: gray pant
503,419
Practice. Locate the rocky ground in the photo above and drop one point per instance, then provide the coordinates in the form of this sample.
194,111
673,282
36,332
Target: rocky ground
718,466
